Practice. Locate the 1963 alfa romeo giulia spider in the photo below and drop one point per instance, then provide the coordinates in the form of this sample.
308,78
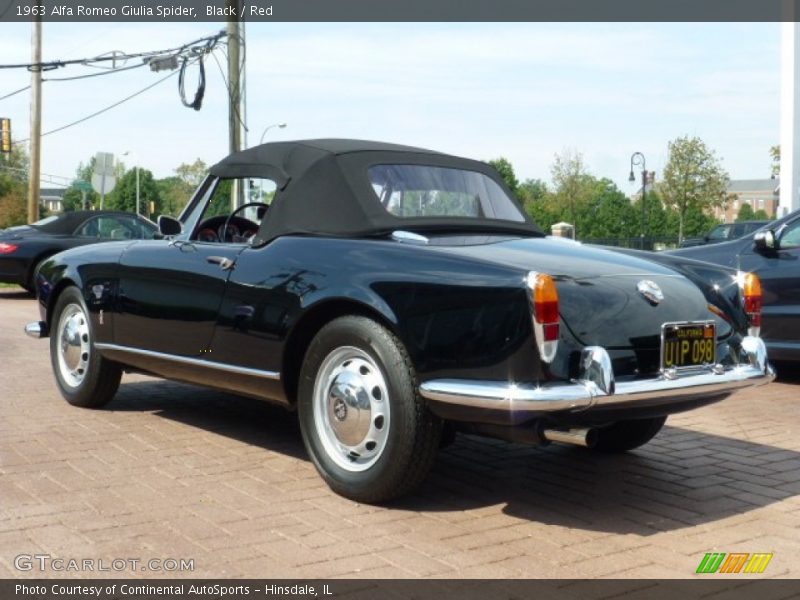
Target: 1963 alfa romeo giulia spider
393,295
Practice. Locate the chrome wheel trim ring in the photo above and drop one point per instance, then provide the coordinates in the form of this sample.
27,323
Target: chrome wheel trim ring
351,408
73,349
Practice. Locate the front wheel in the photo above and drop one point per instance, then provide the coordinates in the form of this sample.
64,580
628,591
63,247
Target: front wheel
84,377
367,430
627,435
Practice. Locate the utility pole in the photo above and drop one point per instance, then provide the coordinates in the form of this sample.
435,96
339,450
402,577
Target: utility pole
36,121
234,94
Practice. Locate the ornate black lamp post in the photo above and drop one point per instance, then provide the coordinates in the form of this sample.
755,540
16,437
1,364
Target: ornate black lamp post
637,158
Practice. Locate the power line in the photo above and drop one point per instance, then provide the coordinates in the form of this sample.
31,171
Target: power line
106,109
200,45
15,92
108,72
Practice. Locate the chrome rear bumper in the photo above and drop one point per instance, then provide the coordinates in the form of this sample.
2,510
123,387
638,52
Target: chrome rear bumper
596,387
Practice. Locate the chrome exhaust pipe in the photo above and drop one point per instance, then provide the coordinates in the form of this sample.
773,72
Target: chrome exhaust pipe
577,437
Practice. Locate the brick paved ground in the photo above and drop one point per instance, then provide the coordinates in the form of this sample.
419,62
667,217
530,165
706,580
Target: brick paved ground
172,471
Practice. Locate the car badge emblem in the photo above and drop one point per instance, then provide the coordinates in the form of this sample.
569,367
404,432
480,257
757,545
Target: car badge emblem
98,290
650,290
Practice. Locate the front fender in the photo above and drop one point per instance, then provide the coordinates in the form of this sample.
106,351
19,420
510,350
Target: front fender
93,270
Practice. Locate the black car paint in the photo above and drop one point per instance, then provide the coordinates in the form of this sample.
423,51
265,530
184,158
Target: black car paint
779,271
459,305
34,245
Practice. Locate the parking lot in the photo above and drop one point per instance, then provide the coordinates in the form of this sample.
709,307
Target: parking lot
169,471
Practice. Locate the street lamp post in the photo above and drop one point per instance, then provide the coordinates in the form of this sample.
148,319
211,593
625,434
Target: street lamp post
278,125
637,158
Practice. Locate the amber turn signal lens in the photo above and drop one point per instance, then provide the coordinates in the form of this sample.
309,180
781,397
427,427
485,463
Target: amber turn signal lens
545,299
753,298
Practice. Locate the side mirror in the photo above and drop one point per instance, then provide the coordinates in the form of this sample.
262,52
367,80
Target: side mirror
169,225
765,240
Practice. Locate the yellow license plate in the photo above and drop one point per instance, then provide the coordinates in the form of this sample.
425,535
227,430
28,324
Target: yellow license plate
688,345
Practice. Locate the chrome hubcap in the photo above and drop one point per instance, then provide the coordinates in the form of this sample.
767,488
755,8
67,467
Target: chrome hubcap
73,345
351,408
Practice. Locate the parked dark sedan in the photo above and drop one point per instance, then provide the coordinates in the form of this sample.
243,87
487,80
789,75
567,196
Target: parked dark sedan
392,295
724,232
773,253
24,247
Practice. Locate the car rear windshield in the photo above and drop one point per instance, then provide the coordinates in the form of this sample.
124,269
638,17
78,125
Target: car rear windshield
410,191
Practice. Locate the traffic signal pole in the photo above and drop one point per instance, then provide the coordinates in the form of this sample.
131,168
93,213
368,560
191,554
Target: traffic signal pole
36,121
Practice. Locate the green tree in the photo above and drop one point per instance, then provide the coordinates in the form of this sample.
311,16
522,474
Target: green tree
775,154
506,170
123,196
574,187
14,187
657,216
609,213
177,190
694,180
761,215
696,222
73,196
534,195
746,213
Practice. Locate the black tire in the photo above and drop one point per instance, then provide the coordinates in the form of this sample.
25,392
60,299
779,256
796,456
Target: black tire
95,380
408,433
627,435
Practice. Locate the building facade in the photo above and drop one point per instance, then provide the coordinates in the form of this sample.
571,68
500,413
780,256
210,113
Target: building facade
760,194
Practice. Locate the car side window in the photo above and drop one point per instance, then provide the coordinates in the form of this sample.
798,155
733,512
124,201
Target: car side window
114,228
790,238
721,232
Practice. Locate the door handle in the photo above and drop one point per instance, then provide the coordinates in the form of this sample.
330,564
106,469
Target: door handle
226,264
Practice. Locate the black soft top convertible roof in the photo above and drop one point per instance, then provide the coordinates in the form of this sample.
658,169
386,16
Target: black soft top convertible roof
323,188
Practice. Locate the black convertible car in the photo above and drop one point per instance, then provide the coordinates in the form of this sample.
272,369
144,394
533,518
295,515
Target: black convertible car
773,253
23,248
393,295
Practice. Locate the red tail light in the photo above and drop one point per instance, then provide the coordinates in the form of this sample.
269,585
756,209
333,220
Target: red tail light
7,248
544,298
753,301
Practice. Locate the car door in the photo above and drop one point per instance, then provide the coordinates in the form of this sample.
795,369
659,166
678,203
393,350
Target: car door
170,290
169,295
779,271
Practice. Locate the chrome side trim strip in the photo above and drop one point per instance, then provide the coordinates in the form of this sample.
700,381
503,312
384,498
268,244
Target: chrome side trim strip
597,387
195,362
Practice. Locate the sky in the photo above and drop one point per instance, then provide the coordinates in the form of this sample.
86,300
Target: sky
523,91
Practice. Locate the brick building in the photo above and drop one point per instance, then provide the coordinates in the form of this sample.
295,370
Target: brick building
760,194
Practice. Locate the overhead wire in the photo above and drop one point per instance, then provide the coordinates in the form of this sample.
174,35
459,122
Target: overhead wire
230,92
103,110
206,41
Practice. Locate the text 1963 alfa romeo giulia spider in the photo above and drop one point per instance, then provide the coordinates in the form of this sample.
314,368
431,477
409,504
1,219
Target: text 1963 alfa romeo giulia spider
393,295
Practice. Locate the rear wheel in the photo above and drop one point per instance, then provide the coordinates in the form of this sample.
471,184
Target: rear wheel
84,377
364,425
627,435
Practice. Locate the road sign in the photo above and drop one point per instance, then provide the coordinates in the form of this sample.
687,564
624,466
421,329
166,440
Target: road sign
104,163
103,184
82,185
103,180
